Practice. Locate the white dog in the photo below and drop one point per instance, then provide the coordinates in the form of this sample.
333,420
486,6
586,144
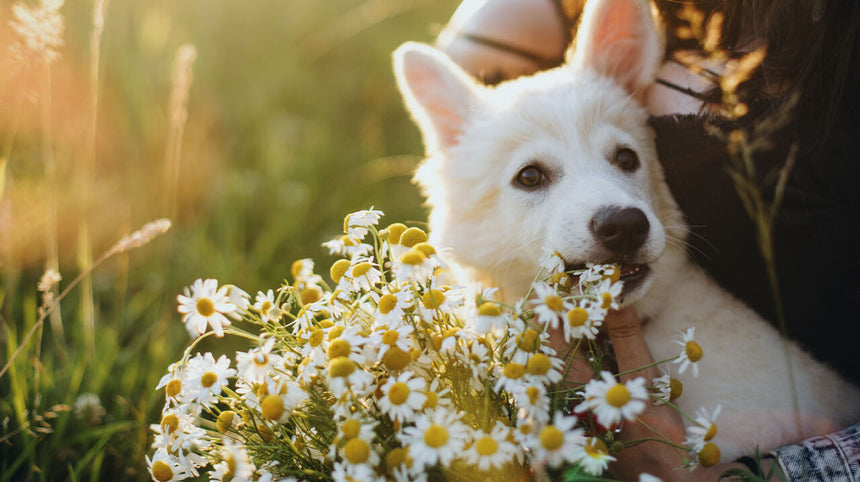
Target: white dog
565,160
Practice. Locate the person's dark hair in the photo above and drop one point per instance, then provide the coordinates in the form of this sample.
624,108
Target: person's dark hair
813,47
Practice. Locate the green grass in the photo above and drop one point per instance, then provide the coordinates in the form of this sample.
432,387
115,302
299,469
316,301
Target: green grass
294,121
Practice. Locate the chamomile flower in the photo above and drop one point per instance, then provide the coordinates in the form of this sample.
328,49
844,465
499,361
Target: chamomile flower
278,398
258,362
346,375
594,456
437,438
558,442
355,224
491,319
667,388
392,306
523,343
358,451
361,275
400,337
266,304
413,265
691,354
436,396
403,396
704,429
608,293
551,261
236,465
172,383
543,368
207,377
346,342
533,403
511,377
439,300
490,450
581,320
206,304
548,306
612,401
346,246
165,468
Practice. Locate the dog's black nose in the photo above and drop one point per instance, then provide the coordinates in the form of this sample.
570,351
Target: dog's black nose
621,230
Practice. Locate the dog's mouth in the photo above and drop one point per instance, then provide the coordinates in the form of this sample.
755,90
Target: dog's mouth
631,274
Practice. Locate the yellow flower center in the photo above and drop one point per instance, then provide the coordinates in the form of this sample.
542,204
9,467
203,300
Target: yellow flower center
326,323
356,451
613,274
425,248
311,294
607,301
525,428
693,351
709,455
413,236
338,347
489,309
394,232
161,471
413,257
539,364
341,367
712,431
208,379
436,436
338,269
618,396
390,337
528,341
296,268
433,299
335,332
350,428
514,371
170,422
561,279
387,303
577,317
398,393
486,446
394,458
225,421
551,438
272,407
316,337
266,306
396,359
553,302
676,388
533,394
360,269
261,359
432,399
174,387
205,307
596,448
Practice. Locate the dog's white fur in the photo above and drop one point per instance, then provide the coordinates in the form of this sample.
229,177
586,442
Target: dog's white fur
571,120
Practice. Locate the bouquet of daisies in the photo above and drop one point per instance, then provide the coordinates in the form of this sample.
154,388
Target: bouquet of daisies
387,370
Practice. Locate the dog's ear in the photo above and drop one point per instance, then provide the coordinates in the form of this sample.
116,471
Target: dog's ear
437,92
619,39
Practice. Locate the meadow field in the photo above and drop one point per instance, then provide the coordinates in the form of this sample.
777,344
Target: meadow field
254,126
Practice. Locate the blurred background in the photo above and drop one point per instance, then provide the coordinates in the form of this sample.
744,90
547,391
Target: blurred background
255,126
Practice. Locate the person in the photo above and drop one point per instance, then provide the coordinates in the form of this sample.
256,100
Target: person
813,50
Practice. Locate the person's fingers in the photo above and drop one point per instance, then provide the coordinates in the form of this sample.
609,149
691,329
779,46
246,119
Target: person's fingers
631,352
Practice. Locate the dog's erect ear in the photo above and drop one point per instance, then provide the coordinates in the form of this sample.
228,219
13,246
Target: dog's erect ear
619,39
438,93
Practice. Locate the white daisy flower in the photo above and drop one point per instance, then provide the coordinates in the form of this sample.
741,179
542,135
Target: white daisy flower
582,320
608,293
533,403
600,272
346,375
691,354
302,270
205,305
278,399
177,432
476,357
704,429
206,378
347,247
400,337
437,438
172,384
266,304
490,450
594,456
436,397
612,401
442,300
413,265
523,343
355,224
239,298
343,472
361,275
165,468
552,262
236,465
511,377
542,368
258,362
558,442
346,342
548,306
663,385
403,396
491,319
392,306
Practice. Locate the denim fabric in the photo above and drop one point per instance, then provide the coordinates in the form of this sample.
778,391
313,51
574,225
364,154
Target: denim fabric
831,458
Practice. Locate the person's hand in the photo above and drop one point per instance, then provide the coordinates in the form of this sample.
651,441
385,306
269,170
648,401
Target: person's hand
662,460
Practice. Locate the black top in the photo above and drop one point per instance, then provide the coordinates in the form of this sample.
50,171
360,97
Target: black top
816,234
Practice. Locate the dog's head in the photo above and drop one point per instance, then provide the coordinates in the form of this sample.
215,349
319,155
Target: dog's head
562,160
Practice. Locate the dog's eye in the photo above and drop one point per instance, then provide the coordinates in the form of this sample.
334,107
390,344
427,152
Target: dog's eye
626,159
530,177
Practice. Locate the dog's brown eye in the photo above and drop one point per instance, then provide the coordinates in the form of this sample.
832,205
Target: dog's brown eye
531,176
626,159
